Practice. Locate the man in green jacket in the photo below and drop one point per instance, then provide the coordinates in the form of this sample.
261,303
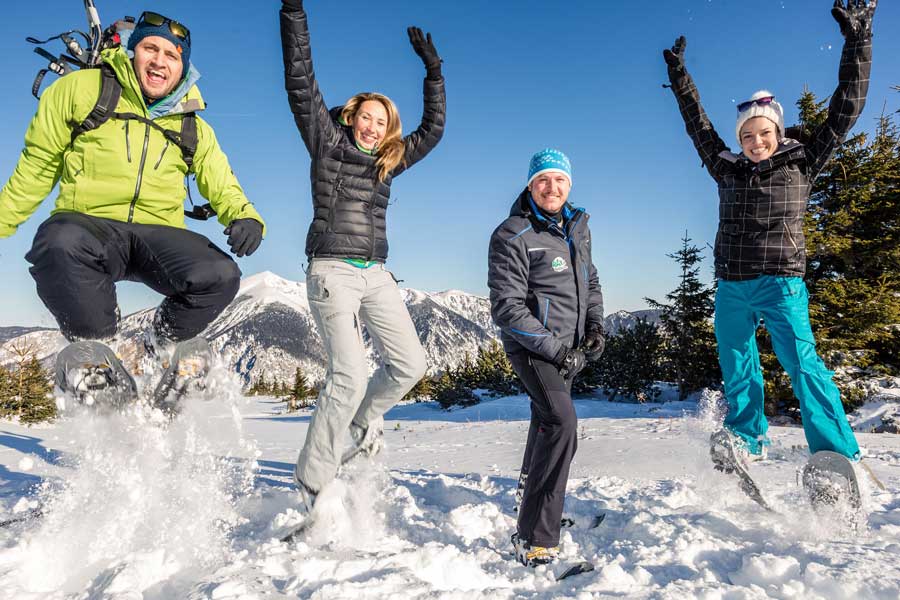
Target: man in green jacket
119,214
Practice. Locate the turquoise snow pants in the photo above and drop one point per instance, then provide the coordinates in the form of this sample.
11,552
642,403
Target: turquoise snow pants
783,304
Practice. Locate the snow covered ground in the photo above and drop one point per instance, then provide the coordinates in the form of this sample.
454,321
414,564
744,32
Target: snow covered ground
137,508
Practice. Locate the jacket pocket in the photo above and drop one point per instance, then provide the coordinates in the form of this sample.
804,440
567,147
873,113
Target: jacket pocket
543,310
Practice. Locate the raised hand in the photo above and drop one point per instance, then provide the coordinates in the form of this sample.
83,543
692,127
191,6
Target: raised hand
674,56
855,19
424,47
293,4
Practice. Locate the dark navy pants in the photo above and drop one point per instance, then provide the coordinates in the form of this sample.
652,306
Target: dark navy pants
77,260
551,445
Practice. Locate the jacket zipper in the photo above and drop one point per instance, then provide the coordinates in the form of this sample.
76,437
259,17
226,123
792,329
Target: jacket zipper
372,223
790,236
338,186
163,153
127,142
140,175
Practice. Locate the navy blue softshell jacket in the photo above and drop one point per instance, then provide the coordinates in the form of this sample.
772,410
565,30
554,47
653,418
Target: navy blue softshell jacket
544,288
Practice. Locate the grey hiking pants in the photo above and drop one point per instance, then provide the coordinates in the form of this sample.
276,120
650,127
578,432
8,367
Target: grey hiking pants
342,298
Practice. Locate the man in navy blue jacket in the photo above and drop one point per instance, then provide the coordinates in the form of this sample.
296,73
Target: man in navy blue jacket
546,299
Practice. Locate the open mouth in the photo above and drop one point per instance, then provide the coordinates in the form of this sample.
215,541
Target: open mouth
156,77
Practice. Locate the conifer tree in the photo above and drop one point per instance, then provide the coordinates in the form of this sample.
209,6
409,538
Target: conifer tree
853,247
689,353
299,394
35,395
631,363
421,390
494,371
451,388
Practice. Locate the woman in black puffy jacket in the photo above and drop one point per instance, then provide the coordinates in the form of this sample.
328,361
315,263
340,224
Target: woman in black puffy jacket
356,151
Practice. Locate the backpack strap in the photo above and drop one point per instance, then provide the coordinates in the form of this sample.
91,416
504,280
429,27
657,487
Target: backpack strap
189,139
104,109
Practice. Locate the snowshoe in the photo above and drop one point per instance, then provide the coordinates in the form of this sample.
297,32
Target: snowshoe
727,459
829,479
94,376
363,442
575,569
186,371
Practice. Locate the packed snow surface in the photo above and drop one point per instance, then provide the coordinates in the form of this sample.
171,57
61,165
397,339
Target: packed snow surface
132,506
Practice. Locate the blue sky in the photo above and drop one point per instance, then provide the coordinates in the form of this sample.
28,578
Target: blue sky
522,75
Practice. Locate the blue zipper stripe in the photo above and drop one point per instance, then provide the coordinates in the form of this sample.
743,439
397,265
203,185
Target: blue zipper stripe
525,333
520,233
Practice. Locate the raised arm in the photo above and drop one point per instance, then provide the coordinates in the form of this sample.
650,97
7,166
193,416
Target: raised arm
706,140
421,141
316,127
849,98
40,163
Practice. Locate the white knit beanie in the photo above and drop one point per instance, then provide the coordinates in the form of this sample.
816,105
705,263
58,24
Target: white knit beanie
771,111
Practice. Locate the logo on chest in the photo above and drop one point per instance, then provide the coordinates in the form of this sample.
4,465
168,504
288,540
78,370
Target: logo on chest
559,264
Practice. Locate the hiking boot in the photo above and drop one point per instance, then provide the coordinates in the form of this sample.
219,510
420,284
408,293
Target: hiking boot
363,442
730,452
185,372
532,556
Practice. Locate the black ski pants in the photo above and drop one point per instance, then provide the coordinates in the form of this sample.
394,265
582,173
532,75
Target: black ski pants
551,445
77,260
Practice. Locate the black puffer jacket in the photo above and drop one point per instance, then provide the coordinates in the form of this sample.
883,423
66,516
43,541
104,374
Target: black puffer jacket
544,288
349,202
761,206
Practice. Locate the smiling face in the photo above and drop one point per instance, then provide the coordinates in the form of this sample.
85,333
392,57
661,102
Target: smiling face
370,124
550,191
158,66
759,139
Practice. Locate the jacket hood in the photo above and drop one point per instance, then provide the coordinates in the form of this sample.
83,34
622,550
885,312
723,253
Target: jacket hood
184,98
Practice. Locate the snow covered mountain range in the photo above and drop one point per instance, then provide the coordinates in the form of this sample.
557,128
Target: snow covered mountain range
268,330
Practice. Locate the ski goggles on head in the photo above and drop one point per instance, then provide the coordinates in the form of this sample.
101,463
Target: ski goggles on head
760,101
157,20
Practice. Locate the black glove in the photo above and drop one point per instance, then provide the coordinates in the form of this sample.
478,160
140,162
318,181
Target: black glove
594,342
675,58
244,236
424,47
293,4
856,19
570,362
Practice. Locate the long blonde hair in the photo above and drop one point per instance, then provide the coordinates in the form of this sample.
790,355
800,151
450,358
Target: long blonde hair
390,151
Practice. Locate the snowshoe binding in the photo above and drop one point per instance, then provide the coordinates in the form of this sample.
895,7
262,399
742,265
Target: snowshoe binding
532,556
184,372
363,442
727,459
307,502
92,374
829,479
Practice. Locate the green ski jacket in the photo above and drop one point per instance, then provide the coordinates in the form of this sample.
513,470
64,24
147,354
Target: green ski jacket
124,170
